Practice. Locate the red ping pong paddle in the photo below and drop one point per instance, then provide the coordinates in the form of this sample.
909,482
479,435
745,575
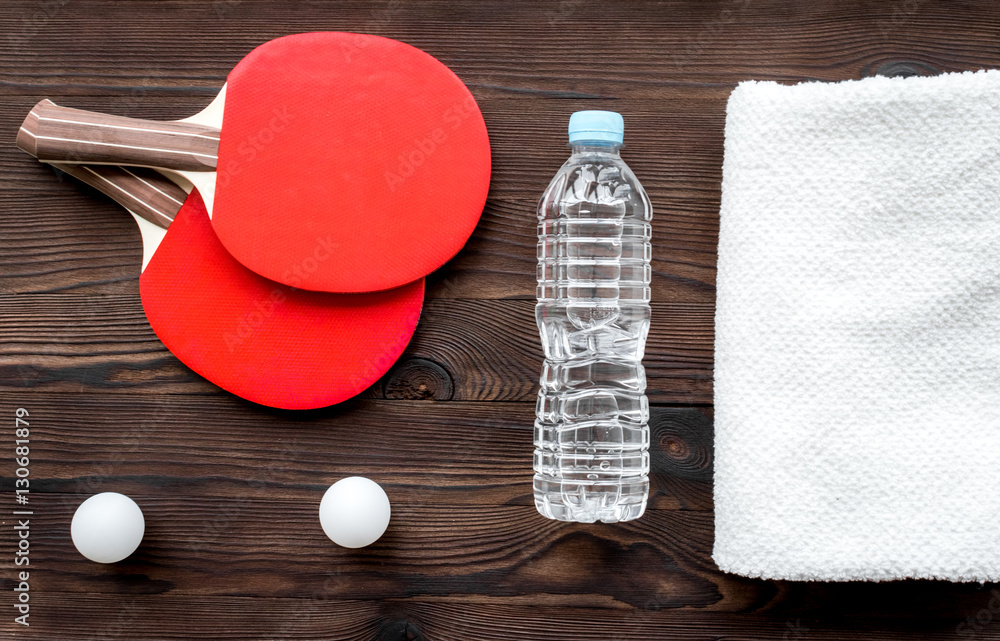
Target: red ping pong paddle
330,161
268,343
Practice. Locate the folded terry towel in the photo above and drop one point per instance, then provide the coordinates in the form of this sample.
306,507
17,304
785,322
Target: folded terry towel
857,359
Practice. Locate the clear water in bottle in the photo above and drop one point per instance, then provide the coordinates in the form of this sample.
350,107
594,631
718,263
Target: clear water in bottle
591,435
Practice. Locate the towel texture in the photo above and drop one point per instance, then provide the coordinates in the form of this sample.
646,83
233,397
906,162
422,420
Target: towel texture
857,359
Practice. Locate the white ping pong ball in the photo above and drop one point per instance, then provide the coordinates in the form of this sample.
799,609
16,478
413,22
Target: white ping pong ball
354,512
107,527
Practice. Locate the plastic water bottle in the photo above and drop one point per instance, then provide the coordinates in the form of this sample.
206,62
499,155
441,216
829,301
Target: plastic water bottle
591,434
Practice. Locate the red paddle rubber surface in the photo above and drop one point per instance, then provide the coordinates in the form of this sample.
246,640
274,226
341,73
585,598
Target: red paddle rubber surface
268,343
348,162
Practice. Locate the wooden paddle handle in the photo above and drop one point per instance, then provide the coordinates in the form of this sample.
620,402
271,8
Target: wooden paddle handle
144,192
61,134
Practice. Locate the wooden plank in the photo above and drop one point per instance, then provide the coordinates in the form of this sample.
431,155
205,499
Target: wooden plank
474,350
48,225
424,452
276,548
935,616
549,47
223,518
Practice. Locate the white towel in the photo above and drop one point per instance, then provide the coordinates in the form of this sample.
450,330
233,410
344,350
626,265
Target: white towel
857,358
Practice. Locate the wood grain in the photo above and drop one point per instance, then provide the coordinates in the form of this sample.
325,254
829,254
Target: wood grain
315,616
451,453
459,476
230,489
557,49
478,350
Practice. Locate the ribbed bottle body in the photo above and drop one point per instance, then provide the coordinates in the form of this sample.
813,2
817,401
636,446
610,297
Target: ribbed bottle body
591,435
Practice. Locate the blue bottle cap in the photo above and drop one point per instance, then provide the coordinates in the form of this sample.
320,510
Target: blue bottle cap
597,126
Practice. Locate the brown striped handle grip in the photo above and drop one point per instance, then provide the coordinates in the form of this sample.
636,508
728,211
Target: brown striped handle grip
144,192
60,134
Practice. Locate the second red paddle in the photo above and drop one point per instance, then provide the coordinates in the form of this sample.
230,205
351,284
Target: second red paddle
260,340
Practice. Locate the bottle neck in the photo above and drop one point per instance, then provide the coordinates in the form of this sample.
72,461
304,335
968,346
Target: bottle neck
593,147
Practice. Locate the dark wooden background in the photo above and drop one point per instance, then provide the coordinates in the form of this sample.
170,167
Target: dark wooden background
230,490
